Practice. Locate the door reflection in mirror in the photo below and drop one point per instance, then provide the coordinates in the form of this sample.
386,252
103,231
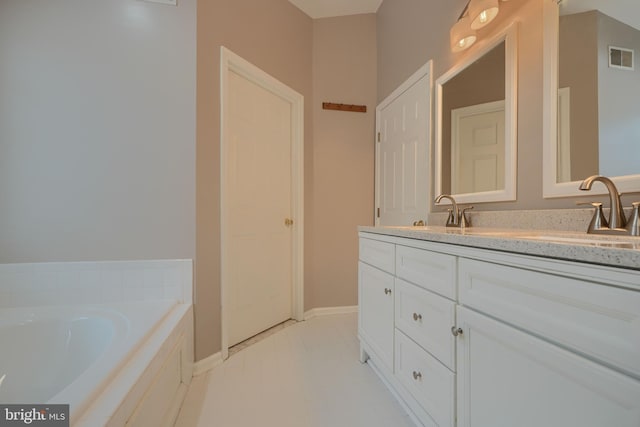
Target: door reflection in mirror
473,120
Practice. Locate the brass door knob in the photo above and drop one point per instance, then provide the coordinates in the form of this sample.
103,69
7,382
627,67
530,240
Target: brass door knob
288,222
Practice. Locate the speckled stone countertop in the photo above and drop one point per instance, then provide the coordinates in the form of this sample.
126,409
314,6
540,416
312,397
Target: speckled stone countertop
612,251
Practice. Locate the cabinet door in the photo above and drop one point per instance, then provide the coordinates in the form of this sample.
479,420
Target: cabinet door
375,312
508,378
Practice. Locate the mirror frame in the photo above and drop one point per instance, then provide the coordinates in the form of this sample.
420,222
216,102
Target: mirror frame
509,36
550,187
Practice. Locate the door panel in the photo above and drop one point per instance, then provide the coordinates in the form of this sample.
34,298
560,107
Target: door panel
478,151
402,174
259,167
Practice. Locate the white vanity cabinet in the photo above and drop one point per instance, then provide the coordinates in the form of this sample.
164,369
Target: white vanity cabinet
476,337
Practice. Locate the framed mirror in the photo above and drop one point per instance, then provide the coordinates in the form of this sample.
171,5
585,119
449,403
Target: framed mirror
592,88
476,124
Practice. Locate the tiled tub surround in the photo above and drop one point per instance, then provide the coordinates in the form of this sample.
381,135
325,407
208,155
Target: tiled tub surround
547,340
148,362
70,283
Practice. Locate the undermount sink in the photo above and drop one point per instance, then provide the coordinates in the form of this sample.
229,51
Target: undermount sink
568,238
591,240
584,240
476,232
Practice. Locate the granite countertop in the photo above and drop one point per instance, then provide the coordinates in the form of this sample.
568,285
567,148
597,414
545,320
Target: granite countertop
614,251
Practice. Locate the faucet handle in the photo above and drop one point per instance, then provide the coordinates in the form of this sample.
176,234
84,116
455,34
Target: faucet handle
450,218
464,222
598,221
633,224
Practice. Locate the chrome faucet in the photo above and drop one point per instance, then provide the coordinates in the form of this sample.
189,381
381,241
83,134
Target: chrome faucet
617,220
616,214
457,218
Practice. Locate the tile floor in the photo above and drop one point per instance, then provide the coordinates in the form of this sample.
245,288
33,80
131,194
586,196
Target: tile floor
304,375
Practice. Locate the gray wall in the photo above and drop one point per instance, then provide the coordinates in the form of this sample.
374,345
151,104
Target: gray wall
344,71
97,136
619,100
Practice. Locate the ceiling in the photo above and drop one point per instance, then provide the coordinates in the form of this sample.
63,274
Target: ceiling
627,11
327,8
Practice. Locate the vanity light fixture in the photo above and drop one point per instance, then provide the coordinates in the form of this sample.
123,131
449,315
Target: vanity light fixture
461,35
482,12
476,15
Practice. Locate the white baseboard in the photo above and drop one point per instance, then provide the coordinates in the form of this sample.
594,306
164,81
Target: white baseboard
207,364
324,311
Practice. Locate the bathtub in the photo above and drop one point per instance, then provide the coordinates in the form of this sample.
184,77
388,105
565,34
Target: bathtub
102,360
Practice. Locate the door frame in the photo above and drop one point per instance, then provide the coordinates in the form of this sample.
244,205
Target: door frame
425,70
229,61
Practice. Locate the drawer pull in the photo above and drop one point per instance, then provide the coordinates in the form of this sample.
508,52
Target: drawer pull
417,375
387,291
417,316
456,331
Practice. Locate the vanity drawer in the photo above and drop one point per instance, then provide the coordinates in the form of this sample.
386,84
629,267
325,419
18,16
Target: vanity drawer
430,270
378,254
426,318
429,382
595,319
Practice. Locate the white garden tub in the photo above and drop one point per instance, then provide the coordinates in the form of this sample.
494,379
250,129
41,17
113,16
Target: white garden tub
99,359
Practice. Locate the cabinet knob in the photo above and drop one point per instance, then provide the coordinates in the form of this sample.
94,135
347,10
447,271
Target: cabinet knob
417,316
456,331
417,375
387,291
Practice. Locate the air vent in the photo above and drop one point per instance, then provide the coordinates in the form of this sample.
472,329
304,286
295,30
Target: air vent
620,57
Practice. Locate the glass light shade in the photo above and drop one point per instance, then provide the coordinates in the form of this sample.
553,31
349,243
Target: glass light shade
482,12
461,35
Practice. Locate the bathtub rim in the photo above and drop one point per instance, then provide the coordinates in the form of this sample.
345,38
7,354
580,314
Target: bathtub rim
117,401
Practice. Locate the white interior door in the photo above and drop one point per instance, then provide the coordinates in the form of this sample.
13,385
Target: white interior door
260,207
402,152
477,148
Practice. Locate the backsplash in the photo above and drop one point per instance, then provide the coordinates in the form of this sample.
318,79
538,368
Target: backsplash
69,283
551,219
